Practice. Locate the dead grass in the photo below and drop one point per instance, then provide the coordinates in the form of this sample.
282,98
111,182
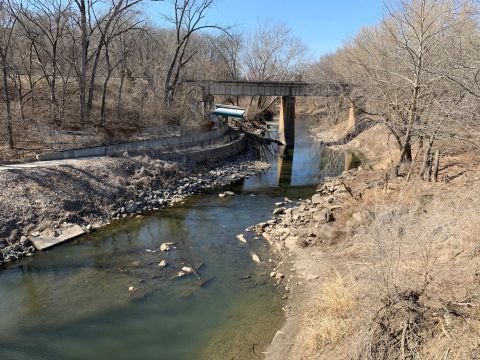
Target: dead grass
406,262
330,319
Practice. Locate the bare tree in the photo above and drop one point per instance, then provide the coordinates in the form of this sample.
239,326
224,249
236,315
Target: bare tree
109,28
272,53
394,66
7,24
188,19
44,23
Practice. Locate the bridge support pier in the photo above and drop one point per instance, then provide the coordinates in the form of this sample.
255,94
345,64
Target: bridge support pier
284,166
208,102
286,126
352,116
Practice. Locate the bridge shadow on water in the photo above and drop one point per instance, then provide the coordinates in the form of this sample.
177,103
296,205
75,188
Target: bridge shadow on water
295,171
76,302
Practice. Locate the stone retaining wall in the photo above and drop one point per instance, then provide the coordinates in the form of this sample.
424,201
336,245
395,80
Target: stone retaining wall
195,139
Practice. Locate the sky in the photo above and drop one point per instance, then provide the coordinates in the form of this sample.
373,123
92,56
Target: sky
323,25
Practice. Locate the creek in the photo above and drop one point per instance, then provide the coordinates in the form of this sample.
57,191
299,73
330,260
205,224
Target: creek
73,301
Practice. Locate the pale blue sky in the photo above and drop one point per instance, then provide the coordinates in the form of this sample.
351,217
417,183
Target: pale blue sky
323,25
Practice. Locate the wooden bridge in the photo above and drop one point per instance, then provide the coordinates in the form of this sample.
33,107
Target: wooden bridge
287,90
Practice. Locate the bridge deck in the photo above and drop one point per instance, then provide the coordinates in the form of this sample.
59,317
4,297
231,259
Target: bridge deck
268,88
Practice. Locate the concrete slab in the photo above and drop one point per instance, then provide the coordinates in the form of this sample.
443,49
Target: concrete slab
50,238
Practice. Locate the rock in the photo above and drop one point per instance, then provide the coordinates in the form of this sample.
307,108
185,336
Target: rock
36,234
279,211
131,289
255,258
291,242
279,276
278,204
317,199
135,263
273,274
271,222
242,238
229,193
362,216
188,270
162,264
222,195
181,274
324,216
166,246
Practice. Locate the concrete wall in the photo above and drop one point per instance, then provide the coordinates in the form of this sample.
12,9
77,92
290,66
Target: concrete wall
212,154
165,144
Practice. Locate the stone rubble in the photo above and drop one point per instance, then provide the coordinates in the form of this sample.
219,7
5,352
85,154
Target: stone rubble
303,223
143,201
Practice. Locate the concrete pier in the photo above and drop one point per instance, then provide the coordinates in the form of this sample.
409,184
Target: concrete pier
287,90
285,166
286,125
352,116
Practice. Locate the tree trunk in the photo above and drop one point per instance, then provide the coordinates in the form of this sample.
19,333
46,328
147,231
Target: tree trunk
53,82
20,100
426,158
436,162
119,98
6,96
83,63
167,95
406,153
104,97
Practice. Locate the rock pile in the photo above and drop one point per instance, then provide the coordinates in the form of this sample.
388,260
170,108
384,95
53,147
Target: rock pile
142,196
307,222
143,200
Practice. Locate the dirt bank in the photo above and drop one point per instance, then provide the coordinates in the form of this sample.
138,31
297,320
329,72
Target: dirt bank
382,268
92,192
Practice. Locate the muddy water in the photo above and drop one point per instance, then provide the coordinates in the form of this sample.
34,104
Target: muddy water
73,302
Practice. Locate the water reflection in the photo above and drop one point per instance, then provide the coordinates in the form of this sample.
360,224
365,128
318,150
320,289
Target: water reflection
285,165
73,302
352,160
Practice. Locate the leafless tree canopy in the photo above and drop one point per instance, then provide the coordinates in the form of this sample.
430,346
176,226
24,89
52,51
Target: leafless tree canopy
99,66
416,72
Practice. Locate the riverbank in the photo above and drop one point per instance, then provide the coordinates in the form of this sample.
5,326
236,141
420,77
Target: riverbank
93,192
382,268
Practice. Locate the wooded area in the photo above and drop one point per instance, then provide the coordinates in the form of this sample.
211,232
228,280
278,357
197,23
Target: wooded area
417,72
87,70
91,71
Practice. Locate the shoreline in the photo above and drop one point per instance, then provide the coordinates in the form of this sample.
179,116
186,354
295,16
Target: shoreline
141,185
288,236
341,244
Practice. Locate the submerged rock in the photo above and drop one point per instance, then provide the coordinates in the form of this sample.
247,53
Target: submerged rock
188,270
255,258
162,264
241,237
166,246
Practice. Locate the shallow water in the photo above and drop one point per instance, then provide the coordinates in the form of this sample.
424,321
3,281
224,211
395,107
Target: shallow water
72,302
